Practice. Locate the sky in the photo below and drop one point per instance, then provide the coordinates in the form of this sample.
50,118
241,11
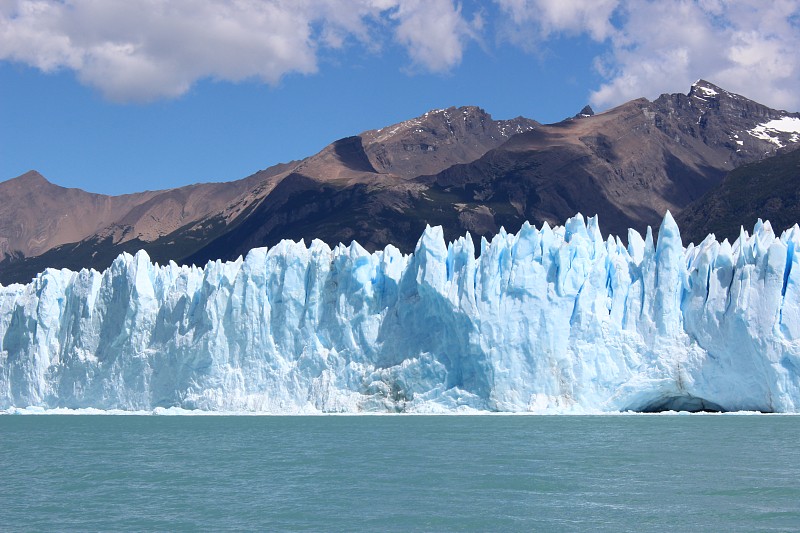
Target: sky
120,96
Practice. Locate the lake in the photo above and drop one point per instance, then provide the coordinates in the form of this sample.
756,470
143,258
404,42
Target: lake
400,473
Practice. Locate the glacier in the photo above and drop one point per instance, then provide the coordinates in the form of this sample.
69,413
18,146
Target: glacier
550,320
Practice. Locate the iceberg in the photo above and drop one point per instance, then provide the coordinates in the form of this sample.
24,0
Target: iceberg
550,320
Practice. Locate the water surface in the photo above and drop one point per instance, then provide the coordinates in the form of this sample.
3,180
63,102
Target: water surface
400,473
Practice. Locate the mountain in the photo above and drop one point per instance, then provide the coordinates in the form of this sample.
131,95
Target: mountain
768,189
585,112
36,215
437,140
548,320
457,168
629,165
286,200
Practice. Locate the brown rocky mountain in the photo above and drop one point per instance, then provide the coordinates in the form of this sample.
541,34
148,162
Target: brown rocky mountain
36,215
454,167
629,164
768,190
437,140
43,225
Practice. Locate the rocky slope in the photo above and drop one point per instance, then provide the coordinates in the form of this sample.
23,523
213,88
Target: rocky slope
768,189
36,215
457,168
629,164
438,139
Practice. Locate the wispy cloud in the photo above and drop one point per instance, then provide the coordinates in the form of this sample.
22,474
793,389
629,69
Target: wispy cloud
538,20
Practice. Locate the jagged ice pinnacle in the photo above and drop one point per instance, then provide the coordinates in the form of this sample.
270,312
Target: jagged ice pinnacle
547,320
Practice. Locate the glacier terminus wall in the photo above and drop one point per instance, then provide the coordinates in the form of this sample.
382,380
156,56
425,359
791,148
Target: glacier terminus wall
547,320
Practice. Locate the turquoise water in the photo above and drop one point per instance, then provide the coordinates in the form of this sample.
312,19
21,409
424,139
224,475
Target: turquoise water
400,473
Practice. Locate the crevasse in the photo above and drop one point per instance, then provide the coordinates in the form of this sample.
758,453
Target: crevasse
547,320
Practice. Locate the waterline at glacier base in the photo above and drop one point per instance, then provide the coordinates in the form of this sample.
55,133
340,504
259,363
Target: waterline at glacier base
550,320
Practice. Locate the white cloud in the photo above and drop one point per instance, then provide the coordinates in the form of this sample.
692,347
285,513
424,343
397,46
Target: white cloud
537,20
746,46
434,32
140,50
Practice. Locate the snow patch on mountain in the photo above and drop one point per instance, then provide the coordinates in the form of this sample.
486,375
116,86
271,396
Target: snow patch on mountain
770,131
707,91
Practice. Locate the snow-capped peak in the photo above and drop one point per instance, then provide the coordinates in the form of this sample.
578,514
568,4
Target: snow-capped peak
702,89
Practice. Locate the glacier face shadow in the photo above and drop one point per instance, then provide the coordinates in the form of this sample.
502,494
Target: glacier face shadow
547,320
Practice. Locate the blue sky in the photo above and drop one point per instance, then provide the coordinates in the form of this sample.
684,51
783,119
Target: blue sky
117,97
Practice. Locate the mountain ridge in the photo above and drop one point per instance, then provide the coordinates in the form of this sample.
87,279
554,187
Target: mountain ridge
454,167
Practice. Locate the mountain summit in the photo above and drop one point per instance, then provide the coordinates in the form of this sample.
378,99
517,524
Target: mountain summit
439,139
